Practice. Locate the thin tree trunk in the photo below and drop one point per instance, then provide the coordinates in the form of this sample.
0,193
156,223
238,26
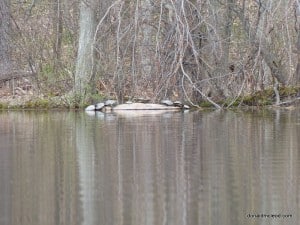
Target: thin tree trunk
226,30
226,36
147,39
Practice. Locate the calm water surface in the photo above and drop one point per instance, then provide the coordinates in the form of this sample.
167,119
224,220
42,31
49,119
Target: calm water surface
207,168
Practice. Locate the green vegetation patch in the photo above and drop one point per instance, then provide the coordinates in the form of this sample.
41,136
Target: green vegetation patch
39,103
3,105
260,98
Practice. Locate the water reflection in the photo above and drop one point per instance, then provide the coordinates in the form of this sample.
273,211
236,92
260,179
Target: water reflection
173,168
38,169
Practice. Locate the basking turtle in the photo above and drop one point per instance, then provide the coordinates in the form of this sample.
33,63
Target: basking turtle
186,107
90,108
99,106
96,107
142,100
178,104
110,103
167,102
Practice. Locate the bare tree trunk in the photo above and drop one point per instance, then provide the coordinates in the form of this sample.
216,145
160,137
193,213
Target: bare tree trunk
225,28
85,55
5,58
147,39
58,30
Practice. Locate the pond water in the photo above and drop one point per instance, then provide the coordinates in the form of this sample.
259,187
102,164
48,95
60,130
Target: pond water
220,167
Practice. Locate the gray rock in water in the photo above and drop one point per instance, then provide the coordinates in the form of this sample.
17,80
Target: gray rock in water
110,103
167,102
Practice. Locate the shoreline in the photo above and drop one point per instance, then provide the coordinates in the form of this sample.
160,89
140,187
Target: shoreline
289,97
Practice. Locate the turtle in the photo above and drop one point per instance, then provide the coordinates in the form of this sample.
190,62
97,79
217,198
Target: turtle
178,104
167,102
99,106
110,102
142,100
90,108
96,107
186,107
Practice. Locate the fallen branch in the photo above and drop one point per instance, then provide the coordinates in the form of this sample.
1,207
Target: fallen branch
289,102
14,75
197,89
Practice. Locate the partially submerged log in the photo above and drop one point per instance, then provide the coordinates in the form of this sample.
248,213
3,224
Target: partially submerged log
137,106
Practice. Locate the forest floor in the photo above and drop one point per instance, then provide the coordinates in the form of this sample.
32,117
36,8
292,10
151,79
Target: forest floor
27,99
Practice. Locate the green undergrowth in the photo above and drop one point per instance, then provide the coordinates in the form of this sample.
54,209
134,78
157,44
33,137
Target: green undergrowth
260,98
50,102
3,105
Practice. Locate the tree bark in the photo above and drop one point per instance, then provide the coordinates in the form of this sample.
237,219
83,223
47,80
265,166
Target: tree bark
58,30
5,58
226,35
84,67
147,37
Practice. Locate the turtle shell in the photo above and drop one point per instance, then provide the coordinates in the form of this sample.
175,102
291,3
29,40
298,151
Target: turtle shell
186,107
178,103
90,108
167,102
99,106
110,102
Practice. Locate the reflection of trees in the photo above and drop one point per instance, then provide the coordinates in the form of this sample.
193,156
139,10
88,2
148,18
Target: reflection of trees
195,168
5,174
211,168
156,175
42,169
262,159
